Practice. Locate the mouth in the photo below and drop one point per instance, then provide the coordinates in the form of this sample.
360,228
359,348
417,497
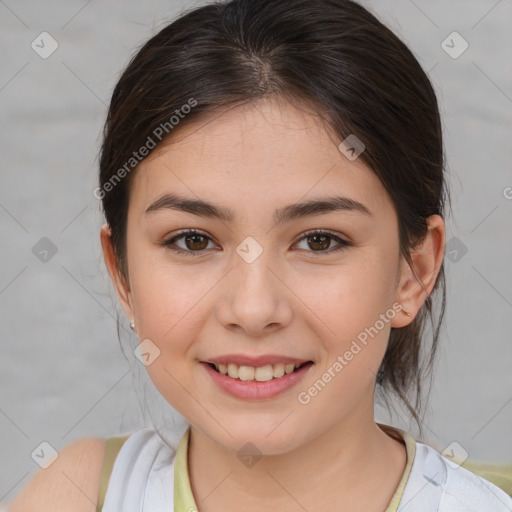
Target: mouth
258,374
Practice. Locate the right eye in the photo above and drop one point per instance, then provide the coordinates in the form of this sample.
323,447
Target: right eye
195,242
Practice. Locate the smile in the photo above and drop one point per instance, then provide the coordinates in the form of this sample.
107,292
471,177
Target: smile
259,374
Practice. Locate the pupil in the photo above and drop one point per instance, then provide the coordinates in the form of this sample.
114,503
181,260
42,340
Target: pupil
194,241
325,244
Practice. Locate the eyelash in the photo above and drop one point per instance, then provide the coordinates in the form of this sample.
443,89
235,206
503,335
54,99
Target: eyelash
309,234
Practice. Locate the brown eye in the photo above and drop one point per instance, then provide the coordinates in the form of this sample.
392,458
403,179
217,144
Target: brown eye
320,241
193,242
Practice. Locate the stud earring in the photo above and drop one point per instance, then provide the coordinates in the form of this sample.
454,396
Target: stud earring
132,325
408,314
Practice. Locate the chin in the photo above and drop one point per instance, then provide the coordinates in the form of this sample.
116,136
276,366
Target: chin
255,440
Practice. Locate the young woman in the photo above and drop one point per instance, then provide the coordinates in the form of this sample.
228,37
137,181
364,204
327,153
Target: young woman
272,178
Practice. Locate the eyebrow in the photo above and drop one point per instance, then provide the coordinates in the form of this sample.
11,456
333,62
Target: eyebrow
282,215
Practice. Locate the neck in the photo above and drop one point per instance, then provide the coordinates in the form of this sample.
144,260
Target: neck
334,470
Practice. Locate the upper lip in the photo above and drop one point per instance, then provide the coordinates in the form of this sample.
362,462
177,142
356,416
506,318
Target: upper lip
244,360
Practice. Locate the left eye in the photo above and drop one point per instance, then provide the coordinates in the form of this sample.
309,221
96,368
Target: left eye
196,242
322,240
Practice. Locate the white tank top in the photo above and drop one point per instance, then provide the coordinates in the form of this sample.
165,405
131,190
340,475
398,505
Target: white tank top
143,479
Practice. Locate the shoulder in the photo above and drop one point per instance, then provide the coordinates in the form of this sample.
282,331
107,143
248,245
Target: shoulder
73,478
471,492
455,488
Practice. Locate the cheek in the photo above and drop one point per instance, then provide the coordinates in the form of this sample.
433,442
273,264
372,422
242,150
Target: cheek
350,294
351,308
171,301
166,301
155,285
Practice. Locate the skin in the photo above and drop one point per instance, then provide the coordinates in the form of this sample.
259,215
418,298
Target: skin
72,482
293,299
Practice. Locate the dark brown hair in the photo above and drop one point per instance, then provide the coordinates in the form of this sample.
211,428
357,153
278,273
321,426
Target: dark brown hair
333,55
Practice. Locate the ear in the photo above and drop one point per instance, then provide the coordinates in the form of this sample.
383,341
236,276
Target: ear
120,283
427,258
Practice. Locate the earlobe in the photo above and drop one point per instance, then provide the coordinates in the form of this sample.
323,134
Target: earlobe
121,286
416,283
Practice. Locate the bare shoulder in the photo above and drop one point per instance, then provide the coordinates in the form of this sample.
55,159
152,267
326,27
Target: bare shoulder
71,483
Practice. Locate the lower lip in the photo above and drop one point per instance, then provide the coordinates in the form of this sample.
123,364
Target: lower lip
254,390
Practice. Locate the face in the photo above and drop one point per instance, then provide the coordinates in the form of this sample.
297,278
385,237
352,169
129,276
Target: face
257,283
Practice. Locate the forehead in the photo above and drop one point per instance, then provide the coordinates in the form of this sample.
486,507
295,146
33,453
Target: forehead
267,152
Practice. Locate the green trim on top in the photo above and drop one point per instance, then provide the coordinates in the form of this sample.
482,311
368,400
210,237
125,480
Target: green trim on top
113,445
410,447
183,497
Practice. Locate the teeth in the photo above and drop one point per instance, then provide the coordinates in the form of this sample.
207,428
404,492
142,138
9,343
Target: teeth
260,374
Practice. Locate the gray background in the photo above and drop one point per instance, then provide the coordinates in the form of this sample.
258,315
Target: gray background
63,372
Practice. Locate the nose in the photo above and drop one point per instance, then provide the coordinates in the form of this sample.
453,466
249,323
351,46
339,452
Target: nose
254,299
